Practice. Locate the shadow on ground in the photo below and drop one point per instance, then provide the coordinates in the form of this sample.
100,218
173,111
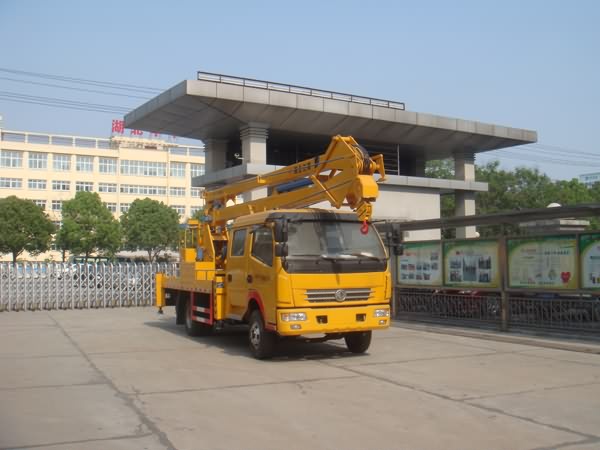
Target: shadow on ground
234,340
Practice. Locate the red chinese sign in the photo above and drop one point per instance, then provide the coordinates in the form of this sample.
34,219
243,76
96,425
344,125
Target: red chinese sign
118,127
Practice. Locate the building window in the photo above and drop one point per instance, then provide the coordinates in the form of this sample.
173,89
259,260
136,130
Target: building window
129,189
143,168
62,162
124,207
37,184
57,205
196,192
197,169
87,186
195,209
107,187
177,191
9,158
84,164
180,209
58,185
142,189
11,183
40,203
177,170
112,207
107,165
38,160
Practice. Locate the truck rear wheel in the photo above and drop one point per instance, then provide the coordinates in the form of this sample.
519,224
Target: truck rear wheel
262,341
359,341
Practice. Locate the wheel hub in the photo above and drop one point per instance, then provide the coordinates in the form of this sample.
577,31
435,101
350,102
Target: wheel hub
255,334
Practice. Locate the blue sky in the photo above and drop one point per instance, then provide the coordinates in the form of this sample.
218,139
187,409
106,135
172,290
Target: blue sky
529,64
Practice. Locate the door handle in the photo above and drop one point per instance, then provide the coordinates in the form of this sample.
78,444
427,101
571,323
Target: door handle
249,278
229,277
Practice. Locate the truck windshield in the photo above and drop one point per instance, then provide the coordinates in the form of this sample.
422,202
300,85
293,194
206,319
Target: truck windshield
342,240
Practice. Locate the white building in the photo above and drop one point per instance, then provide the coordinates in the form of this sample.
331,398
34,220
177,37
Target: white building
50,169
589,178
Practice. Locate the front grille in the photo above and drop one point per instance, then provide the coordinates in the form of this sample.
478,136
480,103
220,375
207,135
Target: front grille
329,295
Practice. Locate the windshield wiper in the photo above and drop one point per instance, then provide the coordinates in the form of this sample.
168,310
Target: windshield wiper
339,256
365,255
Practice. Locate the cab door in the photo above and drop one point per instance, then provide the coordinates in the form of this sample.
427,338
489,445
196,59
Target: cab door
236,290
261,278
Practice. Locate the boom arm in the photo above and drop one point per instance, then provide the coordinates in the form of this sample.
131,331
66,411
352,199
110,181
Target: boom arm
342,176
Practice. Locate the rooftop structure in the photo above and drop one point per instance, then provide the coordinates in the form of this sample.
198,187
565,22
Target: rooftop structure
249,126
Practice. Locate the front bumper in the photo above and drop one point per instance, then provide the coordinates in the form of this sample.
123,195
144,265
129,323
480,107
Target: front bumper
339,319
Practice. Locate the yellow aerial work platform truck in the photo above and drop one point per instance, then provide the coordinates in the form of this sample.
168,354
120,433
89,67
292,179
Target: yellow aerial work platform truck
281,267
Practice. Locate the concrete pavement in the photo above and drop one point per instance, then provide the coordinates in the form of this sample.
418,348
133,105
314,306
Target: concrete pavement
129,379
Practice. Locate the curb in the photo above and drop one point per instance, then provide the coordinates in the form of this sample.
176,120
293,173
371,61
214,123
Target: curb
568,343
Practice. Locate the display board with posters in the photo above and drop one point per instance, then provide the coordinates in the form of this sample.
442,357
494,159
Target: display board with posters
589,251
547,262
470,263
420,264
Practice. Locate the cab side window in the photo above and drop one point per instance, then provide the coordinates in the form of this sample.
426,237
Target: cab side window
239,241
262,245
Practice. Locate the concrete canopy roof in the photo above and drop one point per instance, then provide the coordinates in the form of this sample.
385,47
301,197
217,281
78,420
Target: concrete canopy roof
216,107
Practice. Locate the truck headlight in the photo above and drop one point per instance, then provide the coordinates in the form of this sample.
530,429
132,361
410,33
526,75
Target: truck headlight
293,317
381,313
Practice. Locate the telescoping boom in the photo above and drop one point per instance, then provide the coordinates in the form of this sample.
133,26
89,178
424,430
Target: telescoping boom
284,268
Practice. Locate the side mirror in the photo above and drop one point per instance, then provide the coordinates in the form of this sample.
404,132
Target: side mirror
398,249
280,231
281,249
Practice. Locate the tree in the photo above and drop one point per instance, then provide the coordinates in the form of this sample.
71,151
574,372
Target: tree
199,215
24,226
88,226
151,226
511,190
443,168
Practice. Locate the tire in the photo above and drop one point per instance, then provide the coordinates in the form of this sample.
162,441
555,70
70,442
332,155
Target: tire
194,328
261,341
359,341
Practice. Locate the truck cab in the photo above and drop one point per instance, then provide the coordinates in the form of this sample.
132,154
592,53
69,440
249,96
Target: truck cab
307,272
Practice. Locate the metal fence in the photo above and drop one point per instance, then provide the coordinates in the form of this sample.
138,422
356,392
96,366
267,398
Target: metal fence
35,286
553,311
539,310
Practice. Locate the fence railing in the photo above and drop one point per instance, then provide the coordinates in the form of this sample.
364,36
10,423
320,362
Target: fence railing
536,310
35,286
270,85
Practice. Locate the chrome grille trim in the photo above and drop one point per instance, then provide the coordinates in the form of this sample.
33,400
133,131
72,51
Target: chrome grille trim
328,295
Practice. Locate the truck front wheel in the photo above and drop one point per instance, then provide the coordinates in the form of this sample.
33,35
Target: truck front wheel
359,341
262,341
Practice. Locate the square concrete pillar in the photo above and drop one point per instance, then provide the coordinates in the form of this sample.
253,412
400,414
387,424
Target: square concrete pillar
465,206
464,166
215,155
464,170
254,142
